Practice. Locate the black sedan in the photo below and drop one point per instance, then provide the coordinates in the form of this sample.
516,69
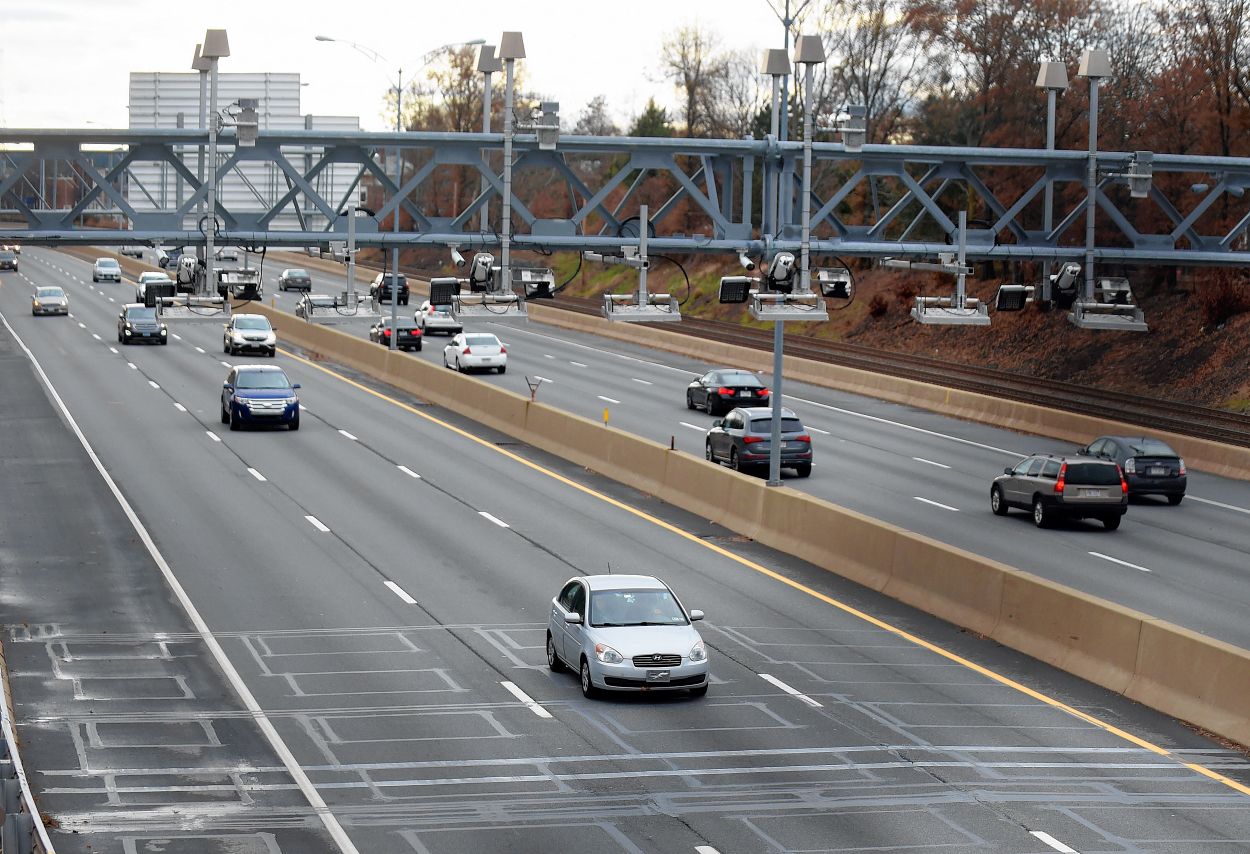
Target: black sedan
409,333
294,279
1150,466
721,390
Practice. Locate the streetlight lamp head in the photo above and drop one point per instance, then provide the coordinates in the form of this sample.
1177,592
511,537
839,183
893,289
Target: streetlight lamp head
810,50
1094,64
1052,75
216,45
511,46
487,62
199,63
776,62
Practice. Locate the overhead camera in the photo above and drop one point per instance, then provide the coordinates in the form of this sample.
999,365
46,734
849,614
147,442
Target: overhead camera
456,257
782,273
482,273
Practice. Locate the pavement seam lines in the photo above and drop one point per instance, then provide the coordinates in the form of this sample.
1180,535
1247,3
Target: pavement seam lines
795,585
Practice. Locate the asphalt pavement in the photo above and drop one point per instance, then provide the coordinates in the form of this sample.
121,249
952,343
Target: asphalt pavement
379,583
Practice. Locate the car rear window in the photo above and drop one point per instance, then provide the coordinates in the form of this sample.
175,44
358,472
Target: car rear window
1093,474
106,262
740,378
765,425
1151,448
481,340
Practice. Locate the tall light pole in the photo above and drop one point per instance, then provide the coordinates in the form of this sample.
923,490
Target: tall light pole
787,18
1094,66
1052,77
511,48
487,64
777,66
201,64
215,47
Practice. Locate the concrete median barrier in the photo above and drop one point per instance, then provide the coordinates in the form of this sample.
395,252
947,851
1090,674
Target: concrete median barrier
1169,668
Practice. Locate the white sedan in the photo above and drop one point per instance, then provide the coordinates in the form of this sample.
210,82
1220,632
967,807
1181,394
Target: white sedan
475,350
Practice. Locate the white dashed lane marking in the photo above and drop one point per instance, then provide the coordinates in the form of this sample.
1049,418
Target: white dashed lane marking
409,472
213,436
608,399
113,350
930,462
1053,842
133,366
1120,562
936,504
526,699
644,382
400,592
96,337
180,407
349,435
318,524
153,384
580,364
199,349
254,473
692,426
501,523
773,680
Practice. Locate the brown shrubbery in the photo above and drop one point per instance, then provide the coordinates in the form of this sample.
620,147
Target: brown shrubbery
1224,295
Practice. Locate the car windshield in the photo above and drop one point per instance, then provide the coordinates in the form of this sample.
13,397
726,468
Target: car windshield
765,425
441,309
262,379
1151,447
296,274
481,340
106,262
740,378
141,313
154,277
7,255
47,293
251,323
1093,474
612,608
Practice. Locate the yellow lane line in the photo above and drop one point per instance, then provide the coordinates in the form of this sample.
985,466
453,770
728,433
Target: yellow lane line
789,582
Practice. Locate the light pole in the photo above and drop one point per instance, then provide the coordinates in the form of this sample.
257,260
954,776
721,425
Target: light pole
201,64
215,46
1094,66
787,19
777,66
511,48
1052,77
487,64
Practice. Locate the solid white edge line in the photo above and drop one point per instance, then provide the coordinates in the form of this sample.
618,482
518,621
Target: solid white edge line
1218,504
1053,842
501,523
930,462
349,436
254,473
201,627
529,701
936,503
1120,562
409,472
608,399
400,592
318,524
213,436
773,680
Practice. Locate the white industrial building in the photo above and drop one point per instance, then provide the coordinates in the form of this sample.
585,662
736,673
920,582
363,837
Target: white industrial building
169,100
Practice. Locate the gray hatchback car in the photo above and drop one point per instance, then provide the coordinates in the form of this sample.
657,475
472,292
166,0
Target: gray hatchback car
1056,487
743,438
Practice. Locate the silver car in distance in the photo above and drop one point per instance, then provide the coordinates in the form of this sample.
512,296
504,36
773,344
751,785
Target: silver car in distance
626,633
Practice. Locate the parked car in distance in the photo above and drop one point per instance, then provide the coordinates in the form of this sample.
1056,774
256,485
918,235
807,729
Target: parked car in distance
140,323
106,270
437,318
626,633
743,439
409,334
471,351
227,253
49,300
385,283
1056,487
131,251
294,279
145,279
259,394
310,304
249,333
9,260
1150,466
721,390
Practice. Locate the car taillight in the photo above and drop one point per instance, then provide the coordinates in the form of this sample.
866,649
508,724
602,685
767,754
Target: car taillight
1182,469
725,391
803,438
1130,466
751,440
503,349
386,332
466,352
1063,473
762,392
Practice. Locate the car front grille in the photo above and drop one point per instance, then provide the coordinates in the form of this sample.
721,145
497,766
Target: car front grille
658,659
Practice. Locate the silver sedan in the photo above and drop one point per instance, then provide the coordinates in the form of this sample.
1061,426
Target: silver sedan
626,633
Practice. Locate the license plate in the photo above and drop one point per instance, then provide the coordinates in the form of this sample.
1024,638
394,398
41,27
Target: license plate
1091,493
657,676
1156,471
744,394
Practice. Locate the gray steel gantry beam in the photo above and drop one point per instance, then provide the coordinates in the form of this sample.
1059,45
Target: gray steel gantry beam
704,184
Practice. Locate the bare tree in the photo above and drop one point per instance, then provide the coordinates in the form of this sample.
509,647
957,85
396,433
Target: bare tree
738,93
595,120
689,59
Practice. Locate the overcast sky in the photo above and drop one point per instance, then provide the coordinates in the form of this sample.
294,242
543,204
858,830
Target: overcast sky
66,63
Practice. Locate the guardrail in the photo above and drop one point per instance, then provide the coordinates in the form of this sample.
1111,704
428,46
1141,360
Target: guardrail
22,830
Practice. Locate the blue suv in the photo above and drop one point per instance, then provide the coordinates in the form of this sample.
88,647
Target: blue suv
259,394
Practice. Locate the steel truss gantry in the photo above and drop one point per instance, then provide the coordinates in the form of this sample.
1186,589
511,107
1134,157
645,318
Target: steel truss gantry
885,200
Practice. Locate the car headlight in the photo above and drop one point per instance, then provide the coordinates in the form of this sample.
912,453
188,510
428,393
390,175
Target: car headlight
36,303
607,654
164,330
698,652
127,326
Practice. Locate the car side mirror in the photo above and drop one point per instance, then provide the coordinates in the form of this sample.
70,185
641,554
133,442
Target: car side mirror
695,614
227,386
573,618
1008,470
296,385
719,422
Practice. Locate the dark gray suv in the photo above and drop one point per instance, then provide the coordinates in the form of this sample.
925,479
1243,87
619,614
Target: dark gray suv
1056,487
743,438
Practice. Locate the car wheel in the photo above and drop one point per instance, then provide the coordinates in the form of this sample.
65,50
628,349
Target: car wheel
701,691
1111,522
459,367
553,658
689,400
294,425
164,341
446,364
1176,499
804,469
733,460
997,503
273,351
589,691
235,421
225,416
1040,517
417,348
503,369
707,453
95,279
